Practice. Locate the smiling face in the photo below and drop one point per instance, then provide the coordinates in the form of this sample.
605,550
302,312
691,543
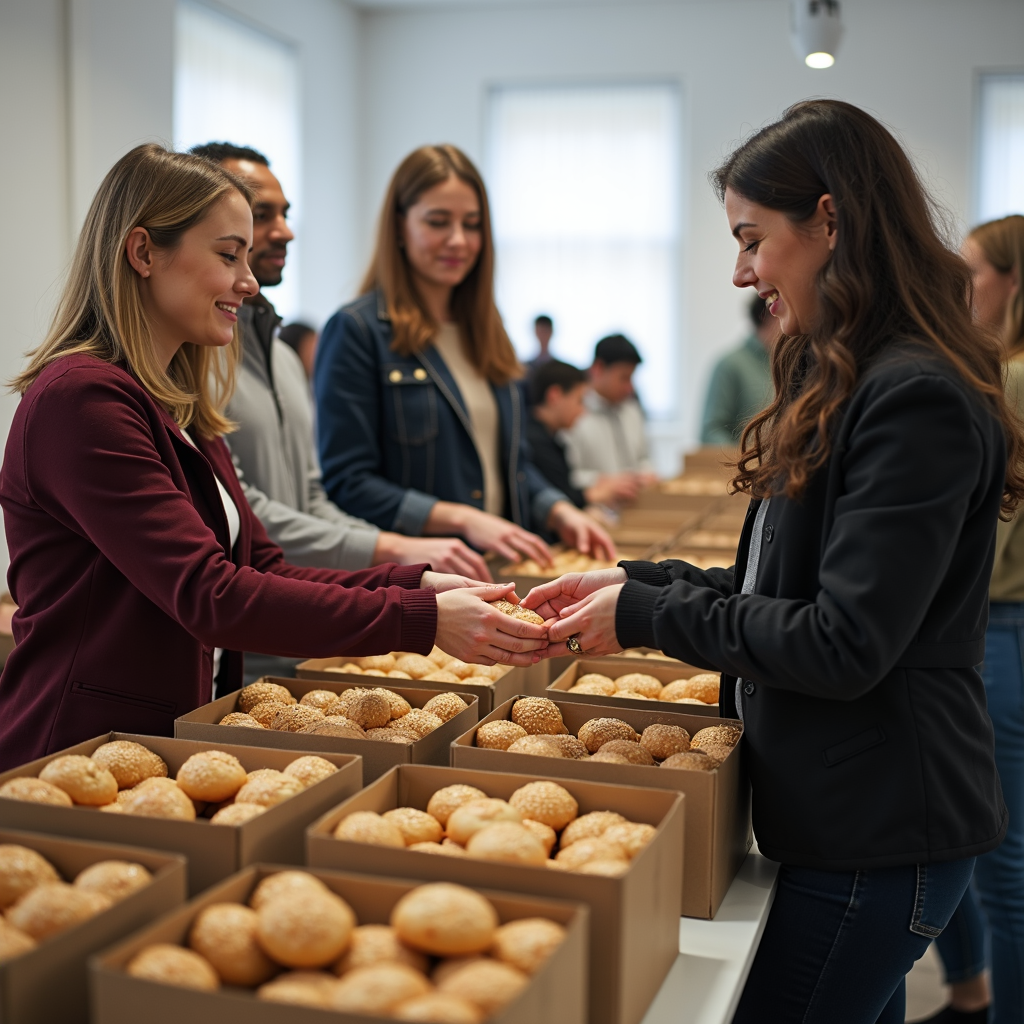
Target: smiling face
991,288
270,231
192,293
442,234
782,259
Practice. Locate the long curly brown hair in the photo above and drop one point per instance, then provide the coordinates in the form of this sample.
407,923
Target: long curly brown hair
890,276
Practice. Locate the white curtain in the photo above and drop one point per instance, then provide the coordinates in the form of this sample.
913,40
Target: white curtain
1000,172
234,83
584,187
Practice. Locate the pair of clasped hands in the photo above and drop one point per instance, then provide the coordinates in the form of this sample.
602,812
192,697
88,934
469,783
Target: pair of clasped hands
578,604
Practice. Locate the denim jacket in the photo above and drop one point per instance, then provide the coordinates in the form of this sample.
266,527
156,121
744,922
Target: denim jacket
395,436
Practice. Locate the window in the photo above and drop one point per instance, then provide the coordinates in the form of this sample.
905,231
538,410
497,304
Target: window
584,186
234,83
1000,170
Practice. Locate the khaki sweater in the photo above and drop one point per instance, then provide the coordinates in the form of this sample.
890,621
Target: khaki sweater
1008,570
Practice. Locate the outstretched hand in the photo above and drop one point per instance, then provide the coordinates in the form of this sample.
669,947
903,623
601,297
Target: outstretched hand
468,628
549,599
591,620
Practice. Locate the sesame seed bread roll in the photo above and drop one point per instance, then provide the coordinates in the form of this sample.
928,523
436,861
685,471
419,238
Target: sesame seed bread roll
226,935
35,791
444,919
83,780
305,929
21,870
129,762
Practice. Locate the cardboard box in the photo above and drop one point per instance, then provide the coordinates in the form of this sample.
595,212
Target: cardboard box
49,984
634,919
667,670
213,851
718,832
556,994
378,755
533,680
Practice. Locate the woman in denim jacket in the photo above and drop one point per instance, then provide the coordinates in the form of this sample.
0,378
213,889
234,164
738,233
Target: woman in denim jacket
421,423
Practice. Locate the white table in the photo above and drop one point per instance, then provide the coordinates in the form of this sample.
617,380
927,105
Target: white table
705,982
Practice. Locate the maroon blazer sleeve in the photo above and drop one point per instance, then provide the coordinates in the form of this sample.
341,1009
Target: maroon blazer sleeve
96,467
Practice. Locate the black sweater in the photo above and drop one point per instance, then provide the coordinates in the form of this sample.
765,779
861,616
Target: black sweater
867,736
547,453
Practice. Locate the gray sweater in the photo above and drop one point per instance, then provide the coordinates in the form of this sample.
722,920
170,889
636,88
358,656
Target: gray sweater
274,453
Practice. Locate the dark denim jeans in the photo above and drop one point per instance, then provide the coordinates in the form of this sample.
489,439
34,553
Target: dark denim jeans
838,944
988,926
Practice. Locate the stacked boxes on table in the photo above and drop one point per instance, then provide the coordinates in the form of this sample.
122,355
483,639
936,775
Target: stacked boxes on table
717,834
378,755
634,918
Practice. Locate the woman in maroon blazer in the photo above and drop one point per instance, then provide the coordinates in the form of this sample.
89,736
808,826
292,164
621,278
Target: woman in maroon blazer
137,565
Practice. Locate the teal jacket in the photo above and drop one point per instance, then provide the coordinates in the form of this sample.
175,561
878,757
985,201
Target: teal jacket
741,386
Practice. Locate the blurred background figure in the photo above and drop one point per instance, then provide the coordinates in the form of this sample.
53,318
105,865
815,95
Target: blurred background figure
741,383
301,339
543,328
557,395
611,436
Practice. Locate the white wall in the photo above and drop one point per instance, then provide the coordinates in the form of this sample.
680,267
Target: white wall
426,74
82,81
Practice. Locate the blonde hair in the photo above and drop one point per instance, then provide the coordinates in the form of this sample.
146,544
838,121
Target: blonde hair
100,312
1002,242
413,328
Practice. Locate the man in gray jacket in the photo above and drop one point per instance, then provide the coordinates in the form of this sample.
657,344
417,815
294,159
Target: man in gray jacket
274,449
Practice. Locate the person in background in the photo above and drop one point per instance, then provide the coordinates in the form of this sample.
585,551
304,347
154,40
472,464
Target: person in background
274,445
991,912
543,329
741,382
139,570
611,436
301,339
557,394
849,631
420,418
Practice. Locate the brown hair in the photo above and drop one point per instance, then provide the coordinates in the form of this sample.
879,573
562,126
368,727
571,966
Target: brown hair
890,276
487,344
1002,243
100,310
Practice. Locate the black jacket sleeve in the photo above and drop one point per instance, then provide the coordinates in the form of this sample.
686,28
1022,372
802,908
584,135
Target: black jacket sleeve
911,465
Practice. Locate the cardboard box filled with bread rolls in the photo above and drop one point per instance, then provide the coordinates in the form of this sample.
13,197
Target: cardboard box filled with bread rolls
272,946
513,831
640,683
668,749
491,685
383,725
63,900
221,805
529,574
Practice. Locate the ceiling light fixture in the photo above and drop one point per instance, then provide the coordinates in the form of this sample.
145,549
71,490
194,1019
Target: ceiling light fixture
816,30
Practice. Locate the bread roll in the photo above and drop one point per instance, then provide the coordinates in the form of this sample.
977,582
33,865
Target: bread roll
373,944
115,879
547,802
310,769
53,907
378,989
538,716
211,775
129,762
82,779
446,800
226,934
172,965
285,884
305,929
489,984
445,920
35,791
21,870
527,943
477,814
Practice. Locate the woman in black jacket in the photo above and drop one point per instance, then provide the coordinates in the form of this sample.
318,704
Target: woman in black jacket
849,629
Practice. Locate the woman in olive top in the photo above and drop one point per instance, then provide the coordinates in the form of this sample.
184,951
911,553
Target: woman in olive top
849,630
421,424
995,254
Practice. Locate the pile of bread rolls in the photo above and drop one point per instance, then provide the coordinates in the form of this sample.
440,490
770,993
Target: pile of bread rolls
123,777
539,825
38,904
536,727
444,956
435,667
561,563
698,689
356,713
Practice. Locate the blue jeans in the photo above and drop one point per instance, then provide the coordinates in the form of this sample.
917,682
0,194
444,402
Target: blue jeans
838,944
991,914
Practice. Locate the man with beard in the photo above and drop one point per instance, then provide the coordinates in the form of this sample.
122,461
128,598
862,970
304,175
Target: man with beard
274,446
